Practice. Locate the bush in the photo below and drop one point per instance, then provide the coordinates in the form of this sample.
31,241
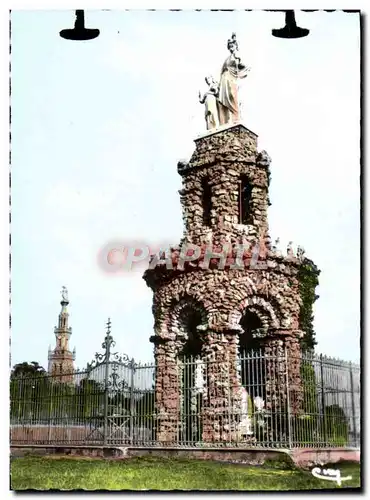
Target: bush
308,376
331,430
305,425
336,426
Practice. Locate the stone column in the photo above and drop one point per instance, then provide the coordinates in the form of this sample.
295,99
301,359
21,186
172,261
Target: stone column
167,390
221,396
295,382
275,379
282,381
277,428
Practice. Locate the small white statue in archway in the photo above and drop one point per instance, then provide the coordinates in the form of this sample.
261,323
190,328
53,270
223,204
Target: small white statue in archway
245,424
199,376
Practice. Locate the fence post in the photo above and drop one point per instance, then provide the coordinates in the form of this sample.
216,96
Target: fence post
132,402
107,344
323,400
288,399
353,404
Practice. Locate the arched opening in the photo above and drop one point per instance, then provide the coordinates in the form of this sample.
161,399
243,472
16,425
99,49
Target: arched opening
252,363
191,371
251,324
190,319
206,201
245,196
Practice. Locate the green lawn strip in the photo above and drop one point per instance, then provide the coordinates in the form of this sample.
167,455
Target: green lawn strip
163,474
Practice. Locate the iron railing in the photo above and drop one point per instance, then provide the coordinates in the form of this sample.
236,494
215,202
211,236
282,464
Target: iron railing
113,402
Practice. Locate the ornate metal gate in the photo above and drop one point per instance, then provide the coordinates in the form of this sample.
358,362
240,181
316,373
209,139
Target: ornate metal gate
115,424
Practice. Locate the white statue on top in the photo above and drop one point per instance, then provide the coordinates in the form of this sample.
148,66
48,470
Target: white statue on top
231,72
210,101
221,100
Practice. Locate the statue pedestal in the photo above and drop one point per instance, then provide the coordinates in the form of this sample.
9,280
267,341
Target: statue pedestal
222,128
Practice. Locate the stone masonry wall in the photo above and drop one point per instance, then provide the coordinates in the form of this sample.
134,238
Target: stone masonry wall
167,395
61,366
221,400
224,158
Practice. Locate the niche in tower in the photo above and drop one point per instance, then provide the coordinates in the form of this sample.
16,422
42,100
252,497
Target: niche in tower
252,363
191,397
245,196
206,201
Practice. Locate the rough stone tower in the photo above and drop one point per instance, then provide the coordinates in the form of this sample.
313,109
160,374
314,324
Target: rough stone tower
224,289
61,358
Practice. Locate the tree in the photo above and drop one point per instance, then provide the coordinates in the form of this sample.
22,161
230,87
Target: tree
29,386
308,277
26,369
88,399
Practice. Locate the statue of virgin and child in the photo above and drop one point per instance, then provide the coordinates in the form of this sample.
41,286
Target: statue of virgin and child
221,99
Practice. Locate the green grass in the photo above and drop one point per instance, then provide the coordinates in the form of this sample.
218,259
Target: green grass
163,474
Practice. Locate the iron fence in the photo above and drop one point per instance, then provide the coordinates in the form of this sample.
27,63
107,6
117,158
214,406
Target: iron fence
113,402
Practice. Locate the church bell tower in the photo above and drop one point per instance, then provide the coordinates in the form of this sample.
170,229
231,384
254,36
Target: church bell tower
61,358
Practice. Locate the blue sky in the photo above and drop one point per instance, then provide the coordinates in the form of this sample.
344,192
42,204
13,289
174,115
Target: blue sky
98,128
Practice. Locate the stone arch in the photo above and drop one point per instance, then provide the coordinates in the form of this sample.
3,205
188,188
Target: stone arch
255,320
279,304
252,288
165,308
262,315
262,308
256,317
254,323
183,319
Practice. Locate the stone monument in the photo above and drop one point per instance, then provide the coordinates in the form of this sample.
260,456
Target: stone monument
215,301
